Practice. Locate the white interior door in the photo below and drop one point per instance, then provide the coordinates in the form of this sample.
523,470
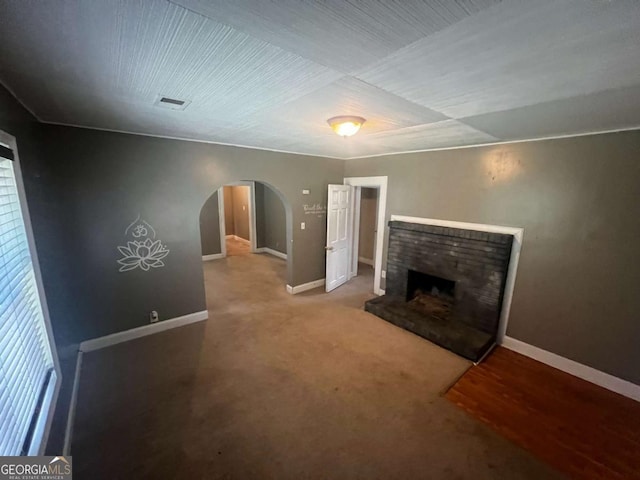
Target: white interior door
339,235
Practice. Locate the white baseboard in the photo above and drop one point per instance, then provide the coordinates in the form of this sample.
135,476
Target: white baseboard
115,338
271,251
68,433
381,291
213,256
366,261
604,380
305,286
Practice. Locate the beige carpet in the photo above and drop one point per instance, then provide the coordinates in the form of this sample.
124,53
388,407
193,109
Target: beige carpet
275,386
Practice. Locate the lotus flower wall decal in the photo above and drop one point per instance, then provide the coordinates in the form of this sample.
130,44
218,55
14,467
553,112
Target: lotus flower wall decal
142,250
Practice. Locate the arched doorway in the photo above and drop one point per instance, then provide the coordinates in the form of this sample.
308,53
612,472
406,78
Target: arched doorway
246,218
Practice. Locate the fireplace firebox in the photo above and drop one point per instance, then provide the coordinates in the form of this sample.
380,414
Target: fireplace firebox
419,283
445,284
430,294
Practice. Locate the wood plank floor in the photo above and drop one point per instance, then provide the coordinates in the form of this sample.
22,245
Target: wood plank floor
577,427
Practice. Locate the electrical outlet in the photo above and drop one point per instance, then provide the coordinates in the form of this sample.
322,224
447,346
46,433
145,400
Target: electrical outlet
383,274
153,317
305,192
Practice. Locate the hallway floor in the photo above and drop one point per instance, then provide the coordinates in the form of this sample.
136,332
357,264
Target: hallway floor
237,247
275,386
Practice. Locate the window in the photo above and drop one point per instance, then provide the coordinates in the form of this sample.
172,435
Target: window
28,379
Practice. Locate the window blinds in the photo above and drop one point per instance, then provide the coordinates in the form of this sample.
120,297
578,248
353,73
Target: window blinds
25,355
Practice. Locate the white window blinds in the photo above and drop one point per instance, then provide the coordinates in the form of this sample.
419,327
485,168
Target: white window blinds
26,361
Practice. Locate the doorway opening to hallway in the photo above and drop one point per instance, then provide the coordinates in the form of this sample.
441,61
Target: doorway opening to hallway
241,219
238,219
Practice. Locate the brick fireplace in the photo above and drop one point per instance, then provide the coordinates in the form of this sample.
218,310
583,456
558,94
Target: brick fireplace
445,284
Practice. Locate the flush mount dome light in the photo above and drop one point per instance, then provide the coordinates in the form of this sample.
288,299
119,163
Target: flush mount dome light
346,125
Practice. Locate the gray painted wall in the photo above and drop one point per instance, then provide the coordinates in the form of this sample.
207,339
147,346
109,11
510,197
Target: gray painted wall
228,211
109,178
368,212
271,223
241,210
578,200
210,226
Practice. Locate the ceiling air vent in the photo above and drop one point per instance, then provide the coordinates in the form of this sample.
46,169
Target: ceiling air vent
171,103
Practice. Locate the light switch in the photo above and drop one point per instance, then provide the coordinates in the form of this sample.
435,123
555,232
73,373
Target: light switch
302,226
305,192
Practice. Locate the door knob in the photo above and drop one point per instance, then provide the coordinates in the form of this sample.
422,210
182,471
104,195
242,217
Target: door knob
328,248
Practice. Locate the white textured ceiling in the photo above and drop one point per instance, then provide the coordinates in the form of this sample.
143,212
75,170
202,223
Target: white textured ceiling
424,73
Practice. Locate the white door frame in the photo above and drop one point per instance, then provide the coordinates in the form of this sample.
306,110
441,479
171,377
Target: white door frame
379,183
357,205
221,221
355,249
252,215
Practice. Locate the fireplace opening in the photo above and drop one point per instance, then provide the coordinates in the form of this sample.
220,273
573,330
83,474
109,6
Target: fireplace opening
430,295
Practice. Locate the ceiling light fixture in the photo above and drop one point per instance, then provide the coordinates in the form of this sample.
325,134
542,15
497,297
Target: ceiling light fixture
346,125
